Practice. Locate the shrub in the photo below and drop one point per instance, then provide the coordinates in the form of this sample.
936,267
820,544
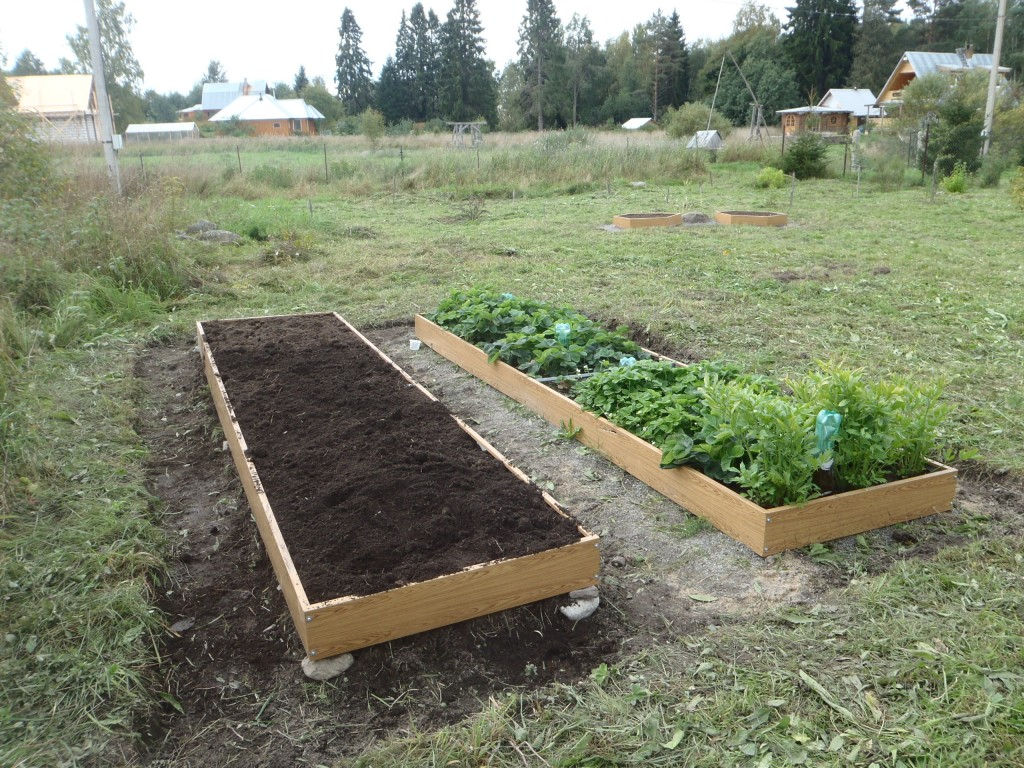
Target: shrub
1017,188
371,125
806,157
682,123
25,167
770,178
991,171
956,182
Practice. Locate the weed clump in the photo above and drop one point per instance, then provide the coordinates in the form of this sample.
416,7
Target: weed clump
956,182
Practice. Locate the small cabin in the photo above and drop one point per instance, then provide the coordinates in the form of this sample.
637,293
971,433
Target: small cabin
841,110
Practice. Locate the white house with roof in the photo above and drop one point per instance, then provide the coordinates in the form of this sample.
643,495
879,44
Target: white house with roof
216,96
914,64
839,111
62,107
266,116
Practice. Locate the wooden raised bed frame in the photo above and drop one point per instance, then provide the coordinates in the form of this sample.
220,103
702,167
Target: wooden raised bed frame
641,220
752,218
765,531
344,624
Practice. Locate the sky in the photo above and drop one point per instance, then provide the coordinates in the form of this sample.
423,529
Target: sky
175,40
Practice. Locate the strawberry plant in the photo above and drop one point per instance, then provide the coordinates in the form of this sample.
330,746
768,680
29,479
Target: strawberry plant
538,338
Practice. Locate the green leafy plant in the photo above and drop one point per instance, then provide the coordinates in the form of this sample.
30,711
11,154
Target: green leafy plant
525,333
956,182
889,428
770,178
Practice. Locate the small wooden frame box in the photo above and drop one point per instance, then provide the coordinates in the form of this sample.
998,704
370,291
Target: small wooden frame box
343,624
765,531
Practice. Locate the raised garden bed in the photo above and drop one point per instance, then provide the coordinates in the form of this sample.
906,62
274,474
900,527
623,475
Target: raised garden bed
752,218
638,220
383,514
766,531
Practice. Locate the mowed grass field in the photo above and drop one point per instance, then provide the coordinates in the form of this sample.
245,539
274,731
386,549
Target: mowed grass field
917,666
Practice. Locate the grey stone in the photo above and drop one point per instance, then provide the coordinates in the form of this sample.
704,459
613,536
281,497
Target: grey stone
618,561
696,218
219,236
587,593
200,226
325,669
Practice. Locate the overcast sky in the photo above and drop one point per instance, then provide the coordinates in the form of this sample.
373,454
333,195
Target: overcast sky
174,40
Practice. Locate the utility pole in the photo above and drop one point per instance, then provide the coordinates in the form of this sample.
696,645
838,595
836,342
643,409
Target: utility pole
993,78
103,106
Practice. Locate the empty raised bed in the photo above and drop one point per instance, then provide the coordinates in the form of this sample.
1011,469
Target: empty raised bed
752,218
640,220
383,515
765,530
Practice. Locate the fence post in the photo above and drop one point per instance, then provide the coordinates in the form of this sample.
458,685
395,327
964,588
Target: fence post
238,153
327,178
792,190
935,177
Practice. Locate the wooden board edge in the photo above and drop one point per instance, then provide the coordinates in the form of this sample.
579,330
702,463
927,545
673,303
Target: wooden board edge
866,509
273,541
347,624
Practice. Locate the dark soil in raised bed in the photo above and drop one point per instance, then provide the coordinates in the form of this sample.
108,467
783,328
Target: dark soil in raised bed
373,484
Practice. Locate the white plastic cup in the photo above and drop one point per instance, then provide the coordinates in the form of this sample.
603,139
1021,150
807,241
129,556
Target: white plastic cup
414,344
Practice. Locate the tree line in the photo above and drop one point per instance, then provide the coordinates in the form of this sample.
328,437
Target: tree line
564,77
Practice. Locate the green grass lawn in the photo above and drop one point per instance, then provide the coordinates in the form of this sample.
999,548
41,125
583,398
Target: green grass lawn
921,666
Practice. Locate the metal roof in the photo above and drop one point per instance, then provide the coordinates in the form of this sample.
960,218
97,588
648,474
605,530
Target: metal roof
636,122
161,128
706,140
856,101
53,94
266,107
219,95
926,62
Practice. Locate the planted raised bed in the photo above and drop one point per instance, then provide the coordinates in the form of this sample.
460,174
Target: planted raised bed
383,514
766,531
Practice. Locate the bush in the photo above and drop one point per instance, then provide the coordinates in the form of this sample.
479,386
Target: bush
25,167
956,182
1017,188
371,125
991,171
770,178
682,123
806,157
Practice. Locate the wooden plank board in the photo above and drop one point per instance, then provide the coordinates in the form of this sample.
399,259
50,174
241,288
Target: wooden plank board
284,568
348,623
351,623
845,514
765,531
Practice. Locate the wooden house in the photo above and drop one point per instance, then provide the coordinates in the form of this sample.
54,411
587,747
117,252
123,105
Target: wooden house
63,108
841,110
266,116
914,64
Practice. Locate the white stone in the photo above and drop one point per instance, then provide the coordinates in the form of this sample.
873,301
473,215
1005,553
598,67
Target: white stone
587,593
580,609
325,669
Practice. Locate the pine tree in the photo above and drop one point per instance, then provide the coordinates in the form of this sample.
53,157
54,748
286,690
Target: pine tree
353,75
878,45
542,60
820,44
584,66
301,81
466,88
425,62
669,62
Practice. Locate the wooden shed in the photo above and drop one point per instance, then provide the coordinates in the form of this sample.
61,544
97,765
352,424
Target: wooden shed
839,111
